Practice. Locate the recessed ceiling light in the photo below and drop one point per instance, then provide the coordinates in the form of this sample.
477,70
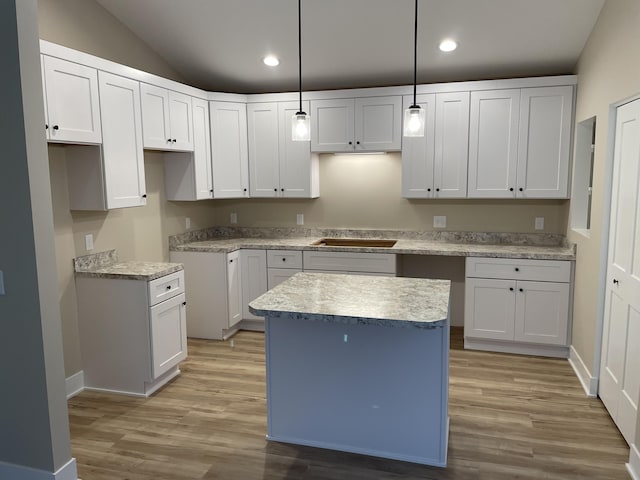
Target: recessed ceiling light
271,61
448,45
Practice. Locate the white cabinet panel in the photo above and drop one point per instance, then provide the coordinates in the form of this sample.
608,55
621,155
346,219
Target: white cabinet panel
378,123
489,308
253,275
71,100
166,119
202,150
332,125
264,155
349,262
275,276
180,116
418,153
519,269
284,259
234,285
542,312
451,144
493,143
168,334
229,149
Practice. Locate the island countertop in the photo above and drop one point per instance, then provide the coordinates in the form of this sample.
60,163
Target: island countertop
354,299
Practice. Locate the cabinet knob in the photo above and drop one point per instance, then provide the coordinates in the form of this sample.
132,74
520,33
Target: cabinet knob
511,289
517,269
231,261
168,287
282,189
437,189
56,127
358,142
275,189
174,140
46,126
168,140
244,189
350,143
184,303
428,189
521,189
144,195
511,189
211,191
284,259
521,289
616,281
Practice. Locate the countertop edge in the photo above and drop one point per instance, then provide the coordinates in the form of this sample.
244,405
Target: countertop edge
130,276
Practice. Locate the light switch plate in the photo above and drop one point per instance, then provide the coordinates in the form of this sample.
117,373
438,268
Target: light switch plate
439,221
300,219
233,218
539,224
88,241
1,283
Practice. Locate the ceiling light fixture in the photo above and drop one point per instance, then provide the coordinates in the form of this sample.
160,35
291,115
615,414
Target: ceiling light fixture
301,122
448,45
271,61
414,116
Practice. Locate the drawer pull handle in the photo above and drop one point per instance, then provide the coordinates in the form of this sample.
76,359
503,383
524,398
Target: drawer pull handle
511,289
168,287
184,303
284,259
521,289
517,269
616,281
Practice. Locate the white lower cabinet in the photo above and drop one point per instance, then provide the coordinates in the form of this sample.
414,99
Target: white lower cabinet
517,306
234,288
132,332
253,276
281,265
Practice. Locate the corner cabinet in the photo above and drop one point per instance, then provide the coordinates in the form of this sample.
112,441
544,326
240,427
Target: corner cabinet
167,119
278,166
518,305
132,332
229,153
435,166
72,111
520,143
350,125
111,175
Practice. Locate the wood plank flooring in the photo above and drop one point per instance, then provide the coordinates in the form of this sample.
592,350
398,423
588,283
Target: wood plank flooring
512,417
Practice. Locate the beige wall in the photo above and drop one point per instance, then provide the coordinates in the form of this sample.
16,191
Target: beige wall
364,191
607,73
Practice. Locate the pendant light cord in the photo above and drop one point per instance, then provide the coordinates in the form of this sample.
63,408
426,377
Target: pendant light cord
415,53
300,54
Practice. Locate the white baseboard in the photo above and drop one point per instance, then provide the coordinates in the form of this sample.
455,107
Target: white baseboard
17,472
633,467
488,345
75,384
589,383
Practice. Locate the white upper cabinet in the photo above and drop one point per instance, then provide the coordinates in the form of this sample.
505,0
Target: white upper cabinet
418,153
352,125
278,166
167,119
451,145
493,143
544,145
229,153
110,175
71,102
188,175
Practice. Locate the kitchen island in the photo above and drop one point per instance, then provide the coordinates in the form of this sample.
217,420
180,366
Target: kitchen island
359,364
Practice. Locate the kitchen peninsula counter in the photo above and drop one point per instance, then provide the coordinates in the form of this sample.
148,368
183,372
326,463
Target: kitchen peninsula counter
359,364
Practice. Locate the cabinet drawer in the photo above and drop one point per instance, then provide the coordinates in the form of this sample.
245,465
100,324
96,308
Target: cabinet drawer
284,259
166,287
350,262
519,269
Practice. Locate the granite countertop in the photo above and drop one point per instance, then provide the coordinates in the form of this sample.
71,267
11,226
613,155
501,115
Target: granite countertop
403,246
355,299
106,265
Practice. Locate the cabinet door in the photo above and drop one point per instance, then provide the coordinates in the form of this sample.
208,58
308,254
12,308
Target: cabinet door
493,143
489,308
168,331
264,156
202,150
275,276
254,279
155,117
44,96
229,149
332,123
378,123
542,312
72,102
234,284
451,145
123,155
418,153
181,121
298,167
545,135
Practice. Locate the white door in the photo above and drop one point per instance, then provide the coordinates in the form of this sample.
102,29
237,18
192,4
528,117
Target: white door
295,157
332,124
542,312
202,150
181,121
168,334
489,308
229,154
418,152
123,154
253,278
451,144
155,117
264,156
620,368
378,124
493,143
234,285
71,102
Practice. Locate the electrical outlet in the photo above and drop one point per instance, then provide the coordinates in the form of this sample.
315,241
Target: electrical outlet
1,283
539,224
300,219
439,221
88,241
187,223
233,218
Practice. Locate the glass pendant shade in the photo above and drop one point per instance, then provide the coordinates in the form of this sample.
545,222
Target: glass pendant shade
301,127
414,121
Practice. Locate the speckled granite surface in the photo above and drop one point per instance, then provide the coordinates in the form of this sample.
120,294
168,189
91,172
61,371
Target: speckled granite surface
355,299
106,265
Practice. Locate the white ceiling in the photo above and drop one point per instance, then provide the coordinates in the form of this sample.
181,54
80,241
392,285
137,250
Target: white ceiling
218,44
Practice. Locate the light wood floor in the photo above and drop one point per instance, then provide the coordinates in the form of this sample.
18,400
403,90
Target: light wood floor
512,417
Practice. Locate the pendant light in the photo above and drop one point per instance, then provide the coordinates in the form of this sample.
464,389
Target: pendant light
301,122
414,116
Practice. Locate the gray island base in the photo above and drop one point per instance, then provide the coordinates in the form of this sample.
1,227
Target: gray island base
359,364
